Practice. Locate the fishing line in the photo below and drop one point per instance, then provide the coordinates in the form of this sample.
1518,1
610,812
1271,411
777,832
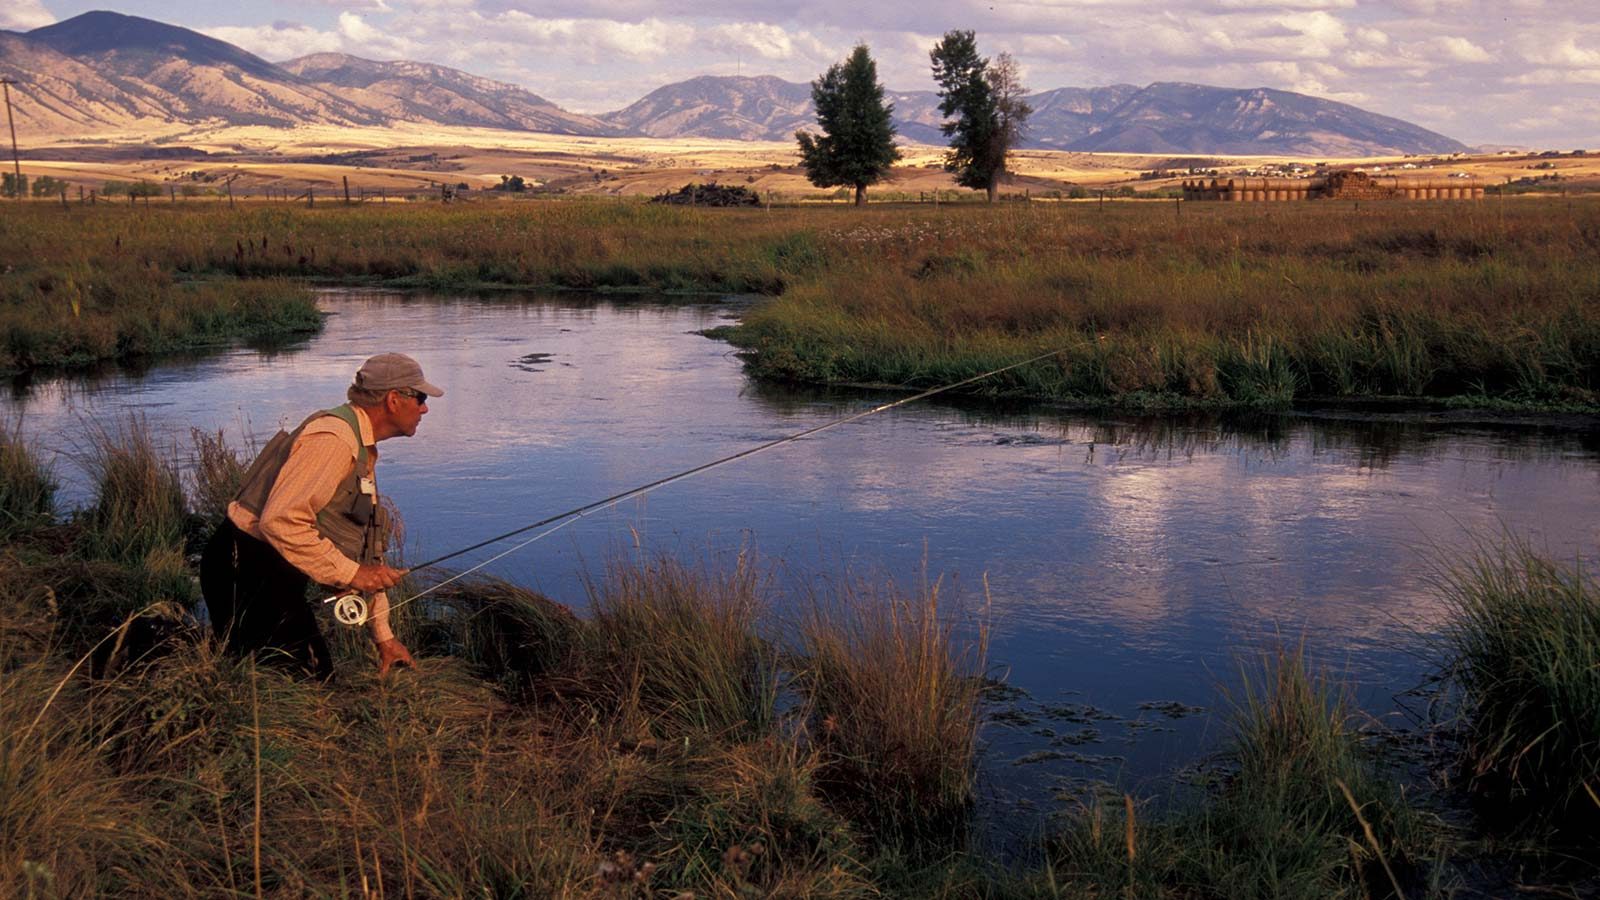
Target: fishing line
351,608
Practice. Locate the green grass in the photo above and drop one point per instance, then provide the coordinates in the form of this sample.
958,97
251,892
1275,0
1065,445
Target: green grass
27,489
1227,305
1302,809
1526,657
79,311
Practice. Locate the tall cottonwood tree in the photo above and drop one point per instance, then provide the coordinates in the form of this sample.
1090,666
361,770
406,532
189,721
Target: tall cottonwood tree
856,147
986,102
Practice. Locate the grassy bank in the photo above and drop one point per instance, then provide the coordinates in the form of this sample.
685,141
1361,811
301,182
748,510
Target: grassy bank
1216,307
673,740
77,312
1213,305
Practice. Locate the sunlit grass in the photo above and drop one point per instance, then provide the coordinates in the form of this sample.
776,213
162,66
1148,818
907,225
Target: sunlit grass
1221,306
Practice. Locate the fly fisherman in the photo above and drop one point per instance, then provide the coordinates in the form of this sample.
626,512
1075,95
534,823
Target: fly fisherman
308,511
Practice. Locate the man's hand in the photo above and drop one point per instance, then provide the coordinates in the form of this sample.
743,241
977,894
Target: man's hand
391,652
374,577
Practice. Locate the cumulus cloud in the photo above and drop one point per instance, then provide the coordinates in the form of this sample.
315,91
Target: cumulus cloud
24,15
279,40
1457,49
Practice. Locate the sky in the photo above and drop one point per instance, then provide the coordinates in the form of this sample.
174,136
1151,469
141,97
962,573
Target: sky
1488,72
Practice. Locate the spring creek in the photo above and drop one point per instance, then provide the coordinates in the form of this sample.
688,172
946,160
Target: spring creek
1126,564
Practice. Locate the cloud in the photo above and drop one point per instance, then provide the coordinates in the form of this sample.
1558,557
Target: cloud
356,33
1458,49
24,15
1565,52
279,40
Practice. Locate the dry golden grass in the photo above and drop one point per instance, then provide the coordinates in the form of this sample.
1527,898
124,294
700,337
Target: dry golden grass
279,159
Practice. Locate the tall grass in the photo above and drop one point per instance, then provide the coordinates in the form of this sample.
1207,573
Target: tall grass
218,472
893,700
683,647
140,509
76,312
1223,306
27,489
126,550
1301,810
1525,641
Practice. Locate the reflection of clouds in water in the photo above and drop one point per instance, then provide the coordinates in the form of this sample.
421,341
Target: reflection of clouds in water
1111,543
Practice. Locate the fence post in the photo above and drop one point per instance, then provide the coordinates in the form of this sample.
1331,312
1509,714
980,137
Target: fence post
64,199
311,197
229,183
346,189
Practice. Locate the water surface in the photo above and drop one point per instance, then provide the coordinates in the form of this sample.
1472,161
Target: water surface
1129,561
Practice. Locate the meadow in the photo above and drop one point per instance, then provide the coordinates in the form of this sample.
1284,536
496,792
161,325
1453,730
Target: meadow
1143,303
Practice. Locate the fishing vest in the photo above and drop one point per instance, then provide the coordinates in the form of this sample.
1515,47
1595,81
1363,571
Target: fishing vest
352,519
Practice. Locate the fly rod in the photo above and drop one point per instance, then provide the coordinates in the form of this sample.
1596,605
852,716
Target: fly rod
350,608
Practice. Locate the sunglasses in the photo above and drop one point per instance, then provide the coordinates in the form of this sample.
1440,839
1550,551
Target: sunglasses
418,396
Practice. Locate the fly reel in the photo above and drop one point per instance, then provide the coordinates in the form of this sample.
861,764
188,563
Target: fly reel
349,609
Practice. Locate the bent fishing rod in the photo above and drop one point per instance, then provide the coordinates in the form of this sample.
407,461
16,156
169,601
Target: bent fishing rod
350,607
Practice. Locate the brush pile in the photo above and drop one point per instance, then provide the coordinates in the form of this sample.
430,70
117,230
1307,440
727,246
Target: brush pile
709,195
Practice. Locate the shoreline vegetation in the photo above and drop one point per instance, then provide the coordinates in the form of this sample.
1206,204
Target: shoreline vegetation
679,738
1154,305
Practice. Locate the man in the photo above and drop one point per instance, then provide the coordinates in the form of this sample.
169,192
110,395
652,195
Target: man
308,511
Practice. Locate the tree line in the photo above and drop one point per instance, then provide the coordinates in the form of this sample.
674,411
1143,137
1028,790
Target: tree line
983,102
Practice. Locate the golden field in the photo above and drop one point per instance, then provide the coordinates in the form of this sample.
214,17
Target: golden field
414,159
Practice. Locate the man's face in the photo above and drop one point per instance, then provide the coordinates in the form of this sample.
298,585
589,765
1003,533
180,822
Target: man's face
408,409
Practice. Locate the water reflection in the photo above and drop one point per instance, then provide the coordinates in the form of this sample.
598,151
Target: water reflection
1128,558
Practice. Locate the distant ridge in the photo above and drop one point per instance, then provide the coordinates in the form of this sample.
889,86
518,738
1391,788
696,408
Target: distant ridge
104,71
424,92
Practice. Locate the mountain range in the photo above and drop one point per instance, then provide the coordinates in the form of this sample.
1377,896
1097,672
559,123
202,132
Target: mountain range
103,71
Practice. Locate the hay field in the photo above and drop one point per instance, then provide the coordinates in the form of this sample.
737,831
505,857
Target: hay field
413,159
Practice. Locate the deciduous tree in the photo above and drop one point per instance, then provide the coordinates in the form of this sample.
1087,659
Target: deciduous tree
984,107
856,147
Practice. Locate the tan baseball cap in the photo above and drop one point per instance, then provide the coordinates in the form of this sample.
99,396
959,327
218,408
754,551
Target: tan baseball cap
394,371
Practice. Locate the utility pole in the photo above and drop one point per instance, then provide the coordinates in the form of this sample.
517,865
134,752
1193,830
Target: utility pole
16,164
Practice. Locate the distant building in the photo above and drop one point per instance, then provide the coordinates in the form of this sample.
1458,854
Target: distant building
1353,185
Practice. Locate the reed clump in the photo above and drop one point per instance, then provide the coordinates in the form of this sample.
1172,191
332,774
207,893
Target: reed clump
27,488
1525,644
893,698
140,510
218,472
683,648
1301,808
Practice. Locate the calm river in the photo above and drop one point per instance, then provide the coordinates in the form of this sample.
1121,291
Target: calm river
1130,561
